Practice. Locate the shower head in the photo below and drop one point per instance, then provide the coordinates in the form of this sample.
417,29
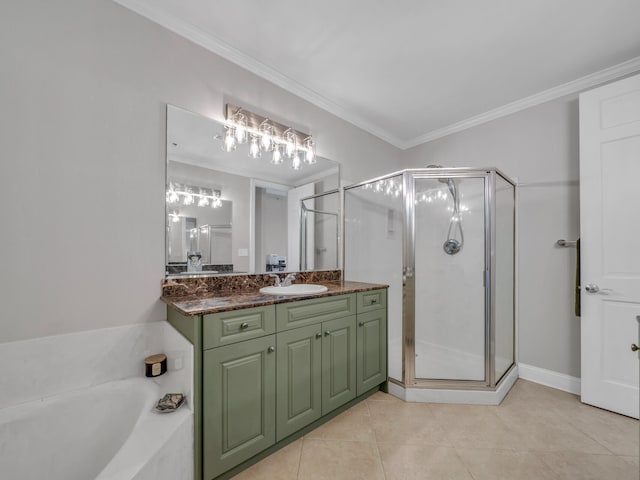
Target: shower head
452,245
446,180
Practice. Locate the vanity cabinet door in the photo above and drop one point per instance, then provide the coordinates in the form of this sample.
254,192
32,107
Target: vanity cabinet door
238,403
372,350
338,362
299,355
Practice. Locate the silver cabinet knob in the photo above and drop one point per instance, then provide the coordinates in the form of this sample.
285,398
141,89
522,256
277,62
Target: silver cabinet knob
592,288
318,335
244,326
271,349
634,347
327,333
361,324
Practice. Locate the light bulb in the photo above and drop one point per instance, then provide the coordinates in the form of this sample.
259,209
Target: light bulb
277,156
172,196
203,202
173,215
254,149
240,121
310,151
188,198
296,163
266,140
229,144
291,143
216,203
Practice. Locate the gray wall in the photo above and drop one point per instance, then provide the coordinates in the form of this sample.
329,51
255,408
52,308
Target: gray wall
83,91
539,147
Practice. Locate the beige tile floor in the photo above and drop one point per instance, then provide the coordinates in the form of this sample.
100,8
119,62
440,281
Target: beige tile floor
536,433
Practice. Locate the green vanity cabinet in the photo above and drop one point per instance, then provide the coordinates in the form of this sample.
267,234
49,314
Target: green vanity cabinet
239,403
316,372
308,312
265,375
299,357
372,350
338,362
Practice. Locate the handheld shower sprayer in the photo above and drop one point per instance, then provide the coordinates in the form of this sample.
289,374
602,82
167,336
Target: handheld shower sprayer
452,244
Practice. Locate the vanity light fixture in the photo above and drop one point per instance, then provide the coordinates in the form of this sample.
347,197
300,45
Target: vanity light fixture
254,149
240,126
267,136
291,143
187,198
296,163
185,194
174,215
277,159
203,201
229,140
267,132
310,151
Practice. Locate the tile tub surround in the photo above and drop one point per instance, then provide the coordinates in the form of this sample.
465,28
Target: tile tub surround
228,284
216,303
42,367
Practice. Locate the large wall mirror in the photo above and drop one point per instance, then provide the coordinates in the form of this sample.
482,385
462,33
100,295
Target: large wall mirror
229,213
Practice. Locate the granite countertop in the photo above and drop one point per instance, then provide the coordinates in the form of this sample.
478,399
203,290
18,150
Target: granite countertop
214,303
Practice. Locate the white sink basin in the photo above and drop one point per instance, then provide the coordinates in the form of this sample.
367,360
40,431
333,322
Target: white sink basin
297,289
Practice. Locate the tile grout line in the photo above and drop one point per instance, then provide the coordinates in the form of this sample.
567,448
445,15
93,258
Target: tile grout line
300,458
384,472
467,468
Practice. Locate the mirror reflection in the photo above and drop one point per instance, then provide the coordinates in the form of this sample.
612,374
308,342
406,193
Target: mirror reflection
229,213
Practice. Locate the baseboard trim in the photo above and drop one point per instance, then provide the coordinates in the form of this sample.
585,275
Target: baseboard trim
549,378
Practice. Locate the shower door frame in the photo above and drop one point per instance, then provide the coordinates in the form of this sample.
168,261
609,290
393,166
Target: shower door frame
489,176
408,278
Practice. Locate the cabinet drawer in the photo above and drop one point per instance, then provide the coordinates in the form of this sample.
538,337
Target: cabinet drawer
308,312
373,300
231,327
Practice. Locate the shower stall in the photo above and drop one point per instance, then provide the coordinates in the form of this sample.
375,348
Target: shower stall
443,239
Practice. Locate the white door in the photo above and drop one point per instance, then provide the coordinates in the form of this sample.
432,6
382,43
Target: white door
610,244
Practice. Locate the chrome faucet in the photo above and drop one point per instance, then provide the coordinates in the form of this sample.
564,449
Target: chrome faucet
278,283
288,279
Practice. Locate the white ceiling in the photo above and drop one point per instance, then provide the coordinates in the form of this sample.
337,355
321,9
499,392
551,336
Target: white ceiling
409,71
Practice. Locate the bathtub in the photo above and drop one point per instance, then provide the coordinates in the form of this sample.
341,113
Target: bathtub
107,432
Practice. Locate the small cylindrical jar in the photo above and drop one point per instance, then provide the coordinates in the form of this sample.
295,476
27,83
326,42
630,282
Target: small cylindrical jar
155,365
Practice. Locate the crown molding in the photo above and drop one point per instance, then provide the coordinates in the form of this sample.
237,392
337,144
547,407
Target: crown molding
569,88
226,51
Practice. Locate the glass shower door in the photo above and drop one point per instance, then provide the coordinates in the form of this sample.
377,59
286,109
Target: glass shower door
373,229
449,276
